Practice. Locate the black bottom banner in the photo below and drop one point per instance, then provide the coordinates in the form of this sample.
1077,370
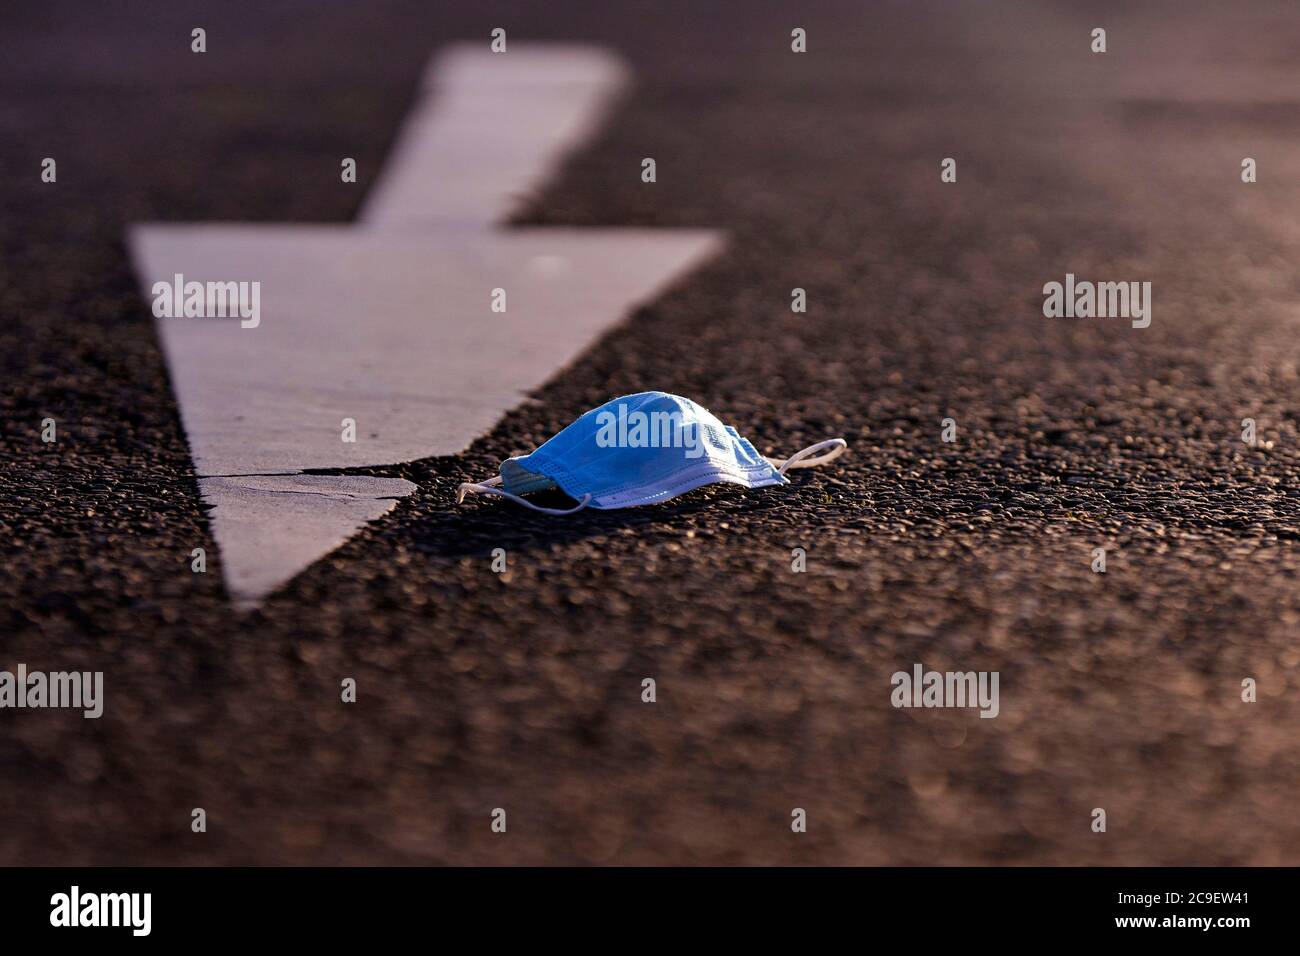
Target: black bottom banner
334,906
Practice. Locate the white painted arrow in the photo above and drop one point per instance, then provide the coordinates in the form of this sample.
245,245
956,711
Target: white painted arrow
388,321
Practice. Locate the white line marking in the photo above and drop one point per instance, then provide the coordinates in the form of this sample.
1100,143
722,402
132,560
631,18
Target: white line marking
388,321
392,330
487,129
296,518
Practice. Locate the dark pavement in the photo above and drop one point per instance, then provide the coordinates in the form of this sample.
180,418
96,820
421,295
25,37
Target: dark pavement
523,691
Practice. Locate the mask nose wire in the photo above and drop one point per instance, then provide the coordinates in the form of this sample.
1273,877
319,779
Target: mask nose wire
491,487
803,458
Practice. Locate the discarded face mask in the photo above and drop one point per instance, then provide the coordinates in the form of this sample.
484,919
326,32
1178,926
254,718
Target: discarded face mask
642,449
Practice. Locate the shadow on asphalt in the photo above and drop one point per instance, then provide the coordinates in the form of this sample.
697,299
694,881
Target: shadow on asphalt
477,527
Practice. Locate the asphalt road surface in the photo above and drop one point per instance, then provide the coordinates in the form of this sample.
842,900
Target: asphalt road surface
522,690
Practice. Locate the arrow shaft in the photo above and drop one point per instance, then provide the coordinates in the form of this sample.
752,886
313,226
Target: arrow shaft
503,121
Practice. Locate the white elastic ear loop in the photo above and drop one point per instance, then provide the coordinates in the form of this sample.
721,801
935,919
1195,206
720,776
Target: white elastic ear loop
490,487
803,459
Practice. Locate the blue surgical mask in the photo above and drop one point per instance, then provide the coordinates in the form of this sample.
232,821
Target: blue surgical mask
642,449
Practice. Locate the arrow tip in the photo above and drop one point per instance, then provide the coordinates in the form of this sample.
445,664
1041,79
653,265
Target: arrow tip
270,527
